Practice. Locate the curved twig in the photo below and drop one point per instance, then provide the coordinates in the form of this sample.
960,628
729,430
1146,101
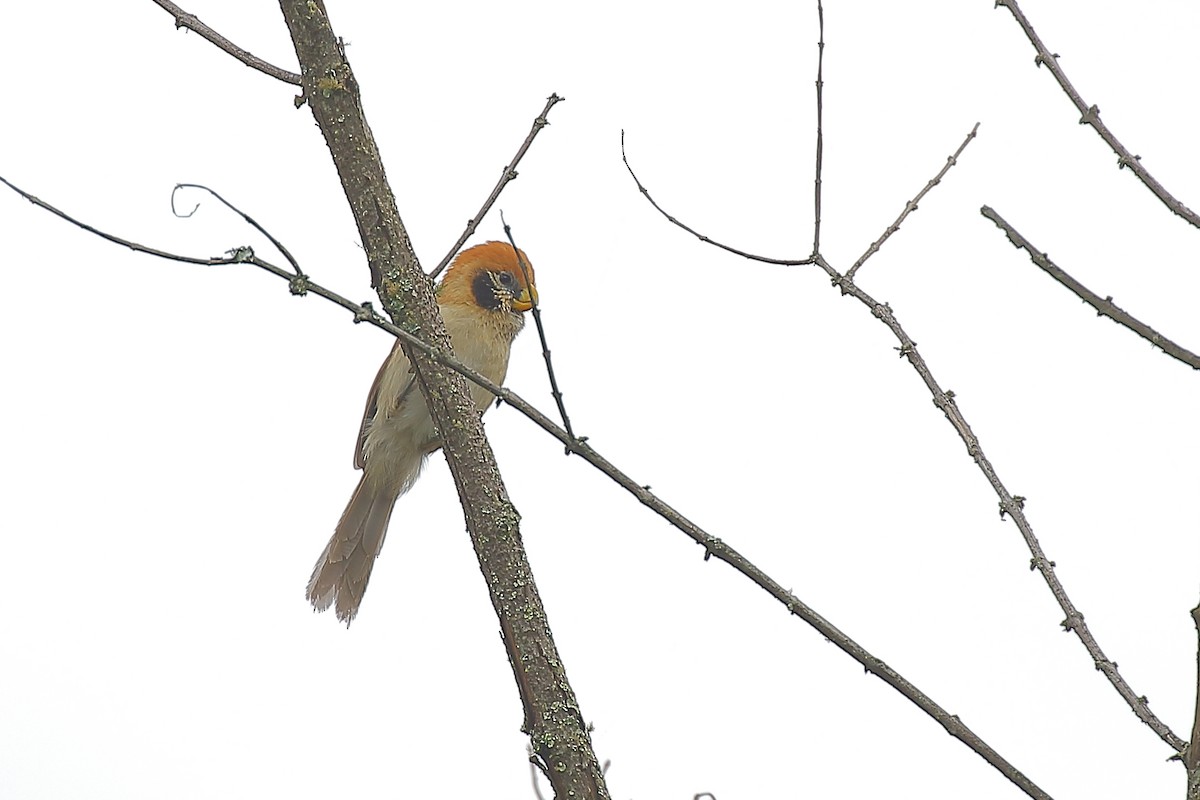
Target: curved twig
278,245
764,259
135,246
1091,116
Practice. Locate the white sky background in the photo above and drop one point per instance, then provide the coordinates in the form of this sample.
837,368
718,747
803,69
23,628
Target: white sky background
178,439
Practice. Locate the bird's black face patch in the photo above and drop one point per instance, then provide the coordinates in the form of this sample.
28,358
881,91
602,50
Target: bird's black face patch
494,290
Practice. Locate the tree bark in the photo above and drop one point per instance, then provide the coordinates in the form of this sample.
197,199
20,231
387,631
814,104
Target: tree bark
1191,755
553,721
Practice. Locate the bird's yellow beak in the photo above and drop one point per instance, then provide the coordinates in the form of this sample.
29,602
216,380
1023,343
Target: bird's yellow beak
526,300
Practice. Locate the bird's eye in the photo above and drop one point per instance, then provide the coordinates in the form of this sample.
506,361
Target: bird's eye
507,279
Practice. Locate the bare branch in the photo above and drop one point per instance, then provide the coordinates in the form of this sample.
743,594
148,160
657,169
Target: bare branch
911,206
1009,505
820,135
1091,116
1105,307
537,320
193,23
509,174
646,193
1191,757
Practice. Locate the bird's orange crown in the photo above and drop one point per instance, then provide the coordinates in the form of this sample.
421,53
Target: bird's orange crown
488,275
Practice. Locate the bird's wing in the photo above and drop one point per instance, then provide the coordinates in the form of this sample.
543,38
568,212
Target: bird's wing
401,361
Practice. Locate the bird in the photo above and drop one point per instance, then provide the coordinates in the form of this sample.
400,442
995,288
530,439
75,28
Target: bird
482,299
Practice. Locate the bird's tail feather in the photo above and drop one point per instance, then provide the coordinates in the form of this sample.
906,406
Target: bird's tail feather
340,577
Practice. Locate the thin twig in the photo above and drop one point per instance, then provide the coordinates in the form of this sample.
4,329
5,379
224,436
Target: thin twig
135,246
820,134
1105,307
1091,116
509,174
537,320
191,22
278,245
911,206
363,312
764,259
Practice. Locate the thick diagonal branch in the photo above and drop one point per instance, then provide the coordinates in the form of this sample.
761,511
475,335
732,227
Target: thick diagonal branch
1191,756
553,720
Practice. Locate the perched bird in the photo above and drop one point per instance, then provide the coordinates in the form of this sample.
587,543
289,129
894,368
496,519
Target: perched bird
482,298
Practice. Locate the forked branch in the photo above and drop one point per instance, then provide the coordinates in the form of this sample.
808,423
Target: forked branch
907,348
1010,505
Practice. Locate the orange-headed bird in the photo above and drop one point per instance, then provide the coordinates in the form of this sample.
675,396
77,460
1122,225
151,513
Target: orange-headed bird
482,298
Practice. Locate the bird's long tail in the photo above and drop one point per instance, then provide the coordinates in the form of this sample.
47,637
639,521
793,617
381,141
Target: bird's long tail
341,574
